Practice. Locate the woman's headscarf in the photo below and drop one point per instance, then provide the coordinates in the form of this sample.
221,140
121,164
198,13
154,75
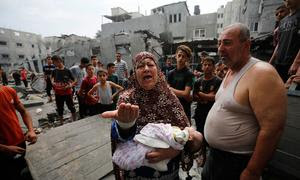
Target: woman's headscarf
158,105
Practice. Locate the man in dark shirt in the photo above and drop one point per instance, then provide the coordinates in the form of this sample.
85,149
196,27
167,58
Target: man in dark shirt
47,69
280,13
286,56
111,70
181,78
63,81
204,92
198,71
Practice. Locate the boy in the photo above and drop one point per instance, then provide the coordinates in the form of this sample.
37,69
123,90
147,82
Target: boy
63,81
103,89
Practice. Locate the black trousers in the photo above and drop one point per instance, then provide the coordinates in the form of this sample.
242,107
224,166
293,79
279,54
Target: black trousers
25,83
82,106
104,107
60,101
11,166
48,86
222,165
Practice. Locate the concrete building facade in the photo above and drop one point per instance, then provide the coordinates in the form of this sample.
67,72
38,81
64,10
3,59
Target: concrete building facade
18,48
267,18
72,47
176,15
258,15
130,37
202,27
172,23
220,19
131,32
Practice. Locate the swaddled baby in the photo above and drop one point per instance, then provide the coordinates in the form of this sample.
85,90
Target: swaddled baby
131,154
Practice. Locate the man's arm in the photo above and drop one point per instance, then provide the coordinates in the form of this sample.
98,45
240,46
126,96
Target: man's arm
271,114
73,77
183,93
118,87
11,149
186,93
207,96
295,65
30,136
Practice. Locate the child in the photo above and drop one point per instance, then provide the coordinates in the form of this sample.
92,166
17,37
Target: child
131,154
23,73
87,84
103,90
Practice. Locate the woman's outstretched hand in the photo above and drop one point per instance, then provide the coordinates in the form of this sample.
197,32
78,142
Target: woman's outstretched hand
125,113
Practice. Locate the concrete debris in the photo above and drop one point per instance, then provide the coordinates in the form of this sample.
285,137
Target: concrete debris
38,110
34,98
38,130
38,84
32,103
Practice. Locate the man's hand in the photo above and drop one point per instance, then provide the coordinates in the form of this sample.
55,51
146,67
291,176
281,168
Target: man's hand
293,69
13,150
125,113
160,154
31,137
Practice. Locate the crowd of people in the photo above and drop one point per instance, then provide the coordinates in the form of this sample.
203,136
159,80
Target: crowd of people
239,116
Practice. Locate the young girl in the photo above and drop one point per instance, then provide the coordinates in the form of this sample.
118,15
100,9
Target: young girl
87,84
103,90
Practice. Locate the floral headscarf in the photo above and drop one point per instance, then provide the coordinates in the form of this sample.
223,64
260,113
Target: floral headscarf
158,105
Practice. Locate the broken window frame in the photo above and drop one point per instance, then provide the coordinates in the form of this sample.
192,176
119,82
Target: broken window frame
19,44
5,56
199,33
3,43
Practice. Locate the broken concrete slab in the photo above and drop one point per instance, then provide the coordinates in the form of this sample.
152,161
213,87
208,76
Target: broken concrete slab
32,103
77,150
34,97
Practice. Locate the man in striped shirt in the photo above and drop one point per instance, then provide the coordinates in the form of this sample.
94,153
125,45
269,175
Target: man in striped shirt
121,69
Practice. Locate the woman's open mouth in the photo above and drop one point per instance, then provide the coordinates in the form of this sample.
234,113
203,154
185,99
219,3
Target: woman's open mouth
147,77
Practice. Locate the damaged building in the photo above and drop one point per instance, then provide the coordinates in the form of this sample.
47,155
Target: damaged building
72,47
172,25
18,48
167,25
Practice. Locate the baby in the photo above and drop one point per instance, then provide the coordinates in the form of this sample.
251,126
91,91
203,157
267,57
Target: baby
131,154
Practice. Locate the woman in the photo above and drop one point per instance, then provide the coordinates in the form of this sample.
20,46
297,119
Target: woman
148,100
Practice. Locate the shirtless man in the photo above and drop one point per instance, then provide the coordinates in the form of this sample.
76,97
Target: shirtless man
245,124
